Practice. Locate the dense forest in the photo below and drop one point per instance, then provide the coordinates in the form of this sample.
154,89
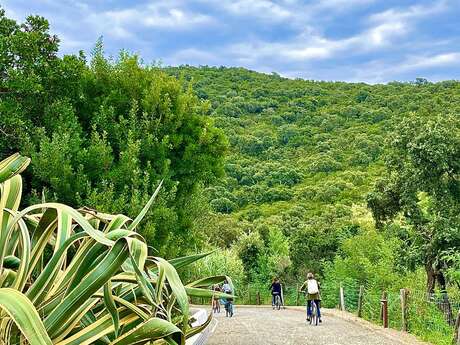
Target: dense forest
351,181
317,167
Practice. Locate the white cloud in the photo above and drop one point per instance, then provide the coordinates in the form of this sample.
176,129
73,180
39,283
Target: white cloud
409,13
382,34
122,23
193,56
10,13
397,22
340,5
438,60
309,44
69,45
385,28
258,8
176,18
292,12
380,71
317,47
308,53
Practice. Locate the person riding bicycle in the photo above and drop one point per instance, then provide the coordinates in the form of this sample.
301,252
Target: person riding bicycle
311,286
226,288
276,291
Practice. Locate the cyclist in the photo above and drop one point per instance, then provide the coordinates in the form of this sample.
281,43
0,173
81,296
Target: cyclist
276,291
312,288
228,301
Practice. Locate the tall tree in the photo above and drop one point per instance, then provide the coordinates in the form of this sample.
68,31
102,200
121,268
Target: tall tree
422,184
104,133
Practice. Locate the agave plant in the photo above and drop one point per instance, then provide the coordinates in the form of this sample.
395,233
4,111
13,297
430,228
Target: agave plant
71,277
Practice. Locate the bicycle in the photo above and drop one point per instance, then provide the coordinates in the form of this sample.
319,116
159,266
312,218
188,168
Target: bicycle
277,302
314,313
314,317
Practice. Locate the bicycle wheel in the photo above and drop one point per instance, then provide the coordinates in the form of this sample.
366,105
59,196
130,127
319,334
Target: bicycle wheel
278,302
313,313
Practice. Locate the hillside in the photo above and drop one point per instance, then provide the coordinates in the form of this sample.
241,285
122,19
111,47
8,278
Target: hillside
303,154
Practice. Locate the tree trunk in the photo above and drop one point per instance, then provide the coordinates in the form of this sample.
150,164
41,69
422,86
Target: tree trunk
430,276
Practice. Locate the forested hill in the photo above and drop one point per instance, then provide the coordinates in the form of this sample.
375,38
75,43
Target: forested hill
303,153
295,142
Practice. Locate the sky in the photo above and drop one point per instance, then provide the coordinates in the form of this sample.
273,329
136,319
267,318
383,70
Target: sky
373,41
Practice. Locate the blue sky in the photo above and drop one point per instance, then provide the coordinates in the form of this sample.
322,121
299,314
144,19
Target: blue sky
353,40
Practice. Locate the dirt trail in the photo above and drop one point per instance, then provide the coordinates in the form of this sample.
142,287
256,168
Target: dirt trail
264,326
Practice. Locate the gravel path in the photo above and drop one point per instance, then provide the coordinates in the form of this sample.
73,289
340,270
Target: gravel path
264,326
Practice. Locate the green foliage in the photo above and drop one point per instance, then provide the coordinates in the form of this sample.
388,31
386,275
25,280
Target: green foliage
452,258
251,251
222,262
277,252
421,184
104,132
368,259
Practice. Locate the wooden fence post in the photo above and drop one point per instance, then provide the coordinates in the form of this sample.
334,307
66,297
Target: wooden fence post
381,305
342,299
360,301
403,310
384,309
456,340
258,298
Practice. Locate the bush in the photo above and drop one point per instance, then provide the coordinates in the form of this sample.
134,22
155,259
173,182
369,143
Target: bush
223,205
323,163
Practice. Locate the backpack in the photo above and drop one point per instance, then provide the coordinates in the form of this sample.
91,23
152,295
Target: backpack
312,287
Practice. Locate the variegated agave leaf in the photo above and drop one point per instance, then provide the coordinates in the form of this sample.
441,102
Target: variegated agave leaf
72,277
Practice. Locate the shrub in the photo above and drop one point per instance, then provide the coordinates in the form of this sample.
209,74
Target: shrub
81,276
323,163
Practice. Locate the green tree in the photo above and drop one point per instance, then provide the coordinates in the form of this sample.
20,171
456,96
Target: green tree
104,133
421,184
